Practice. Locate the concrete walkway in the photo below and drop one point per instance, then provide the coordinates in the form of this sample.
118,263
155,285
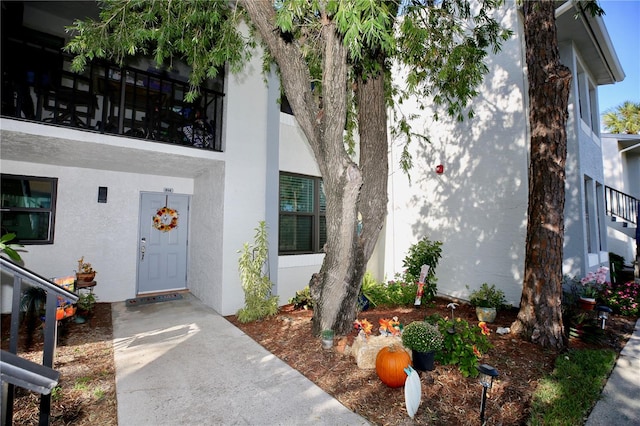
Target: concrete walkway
181,363
619,403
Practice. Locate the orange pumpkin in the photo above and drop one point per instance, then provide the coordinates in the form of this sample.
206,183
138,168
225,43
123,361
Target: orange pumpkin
59,314
390,364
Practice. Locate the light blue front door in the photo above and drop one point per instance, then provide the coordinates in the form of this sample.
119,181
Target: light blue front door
162,243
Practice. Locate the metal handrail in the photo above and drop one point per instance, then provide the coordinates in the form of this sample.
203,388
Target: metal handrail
20,275
619,204
123,101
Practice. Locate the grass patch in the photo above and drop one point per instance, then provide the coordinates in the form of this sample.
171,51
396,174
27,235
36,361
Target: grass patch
567,395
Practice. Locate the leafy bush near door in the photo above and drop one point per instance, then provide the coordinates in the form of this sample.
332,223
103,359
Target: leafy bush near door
424,252
257,286
302,299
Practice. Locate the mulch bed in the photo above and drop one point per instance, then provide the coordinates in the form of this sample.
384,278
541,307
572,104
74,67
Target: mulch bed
86,393
87,387
447,397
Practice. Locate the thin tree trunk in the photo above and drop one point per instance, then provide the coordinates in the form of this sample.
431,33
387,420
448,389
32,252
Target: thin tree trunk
540,316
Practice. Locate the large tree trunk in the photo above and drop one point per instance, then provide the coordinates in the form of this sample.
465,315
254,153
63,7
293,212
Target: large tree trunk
540,316
349,188
348,250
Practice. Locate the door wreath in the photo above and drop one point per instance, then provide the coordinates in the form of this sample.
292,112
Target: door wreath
165,219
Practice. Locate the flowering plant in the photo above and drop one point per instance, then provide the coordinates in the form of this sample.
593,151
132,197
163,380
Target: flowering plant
594,282
464,343
624,298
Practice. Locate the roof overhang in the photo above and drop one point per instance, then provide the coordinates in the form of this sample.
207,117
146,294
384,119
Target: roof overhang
589,33
626,142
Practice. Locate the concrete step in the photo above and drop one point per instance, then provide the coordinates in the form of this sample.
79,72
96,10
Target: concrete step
623,226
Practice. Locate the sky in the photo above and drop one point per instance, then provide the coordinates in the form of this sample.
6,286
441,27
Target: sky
622,19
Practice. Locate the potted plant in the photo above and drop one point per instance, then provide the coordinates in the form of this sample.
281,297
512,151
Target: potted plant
591,286
488,300
33,302
85,271
327,339
423,339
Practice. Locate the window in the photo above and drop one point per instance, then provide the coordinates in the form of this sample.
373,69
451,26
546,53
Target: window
303,226
28,207
593,206
587,100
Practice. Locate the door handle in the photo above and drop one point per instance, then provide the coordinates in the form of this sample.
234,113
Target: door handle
143,248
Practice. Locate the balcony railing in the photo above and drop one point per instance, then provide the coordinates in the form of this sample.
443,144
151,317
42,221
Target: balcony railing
621,205
116,100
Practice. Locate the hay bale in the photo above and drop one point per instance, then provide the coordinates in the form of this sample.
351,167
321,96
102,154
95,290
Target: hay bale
365,349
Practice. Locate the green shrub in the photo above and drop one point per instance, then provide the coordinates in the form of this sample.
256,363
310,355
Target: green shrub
424,252
463,343
258,300
393,293
302,299
422,336
487,296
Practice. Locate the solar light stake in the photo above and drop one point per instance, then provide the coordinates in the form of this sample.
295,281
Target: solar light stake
487,373
603,314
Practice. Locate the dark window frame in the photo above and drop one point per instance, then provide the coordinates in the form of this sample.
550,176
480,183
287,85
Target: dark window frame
317,215
50,210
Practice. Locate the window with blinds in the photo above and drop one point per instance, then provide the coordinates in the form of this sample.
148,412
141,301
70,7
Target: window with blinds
302,214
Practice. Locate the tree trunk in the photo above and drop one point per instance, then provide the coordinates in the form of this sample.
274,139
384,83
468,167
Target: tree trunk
540,316
342,271
349,188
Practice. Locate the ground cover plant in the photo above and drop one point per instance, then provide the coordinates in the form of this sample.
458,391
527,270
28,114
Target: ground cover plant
565,396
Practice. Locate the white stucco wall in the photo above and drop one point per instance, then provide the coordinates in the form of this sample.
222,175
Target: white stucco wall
206,233
106,234
477,207
584,160
245,145
294,271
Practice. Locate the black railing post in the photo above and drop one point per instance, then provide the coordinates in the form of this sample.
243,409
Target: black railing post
21,275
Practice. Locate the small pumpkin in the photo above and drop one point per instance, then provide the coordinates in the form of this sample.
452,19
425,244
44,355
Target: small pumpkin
390,364
59,314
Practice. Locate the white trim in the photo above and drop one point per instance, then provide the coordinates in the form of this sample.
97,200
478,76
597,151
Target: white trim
297,260
593,259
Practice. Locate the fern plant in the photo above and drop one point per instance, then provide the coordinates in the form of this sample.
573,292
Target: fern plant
253,267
